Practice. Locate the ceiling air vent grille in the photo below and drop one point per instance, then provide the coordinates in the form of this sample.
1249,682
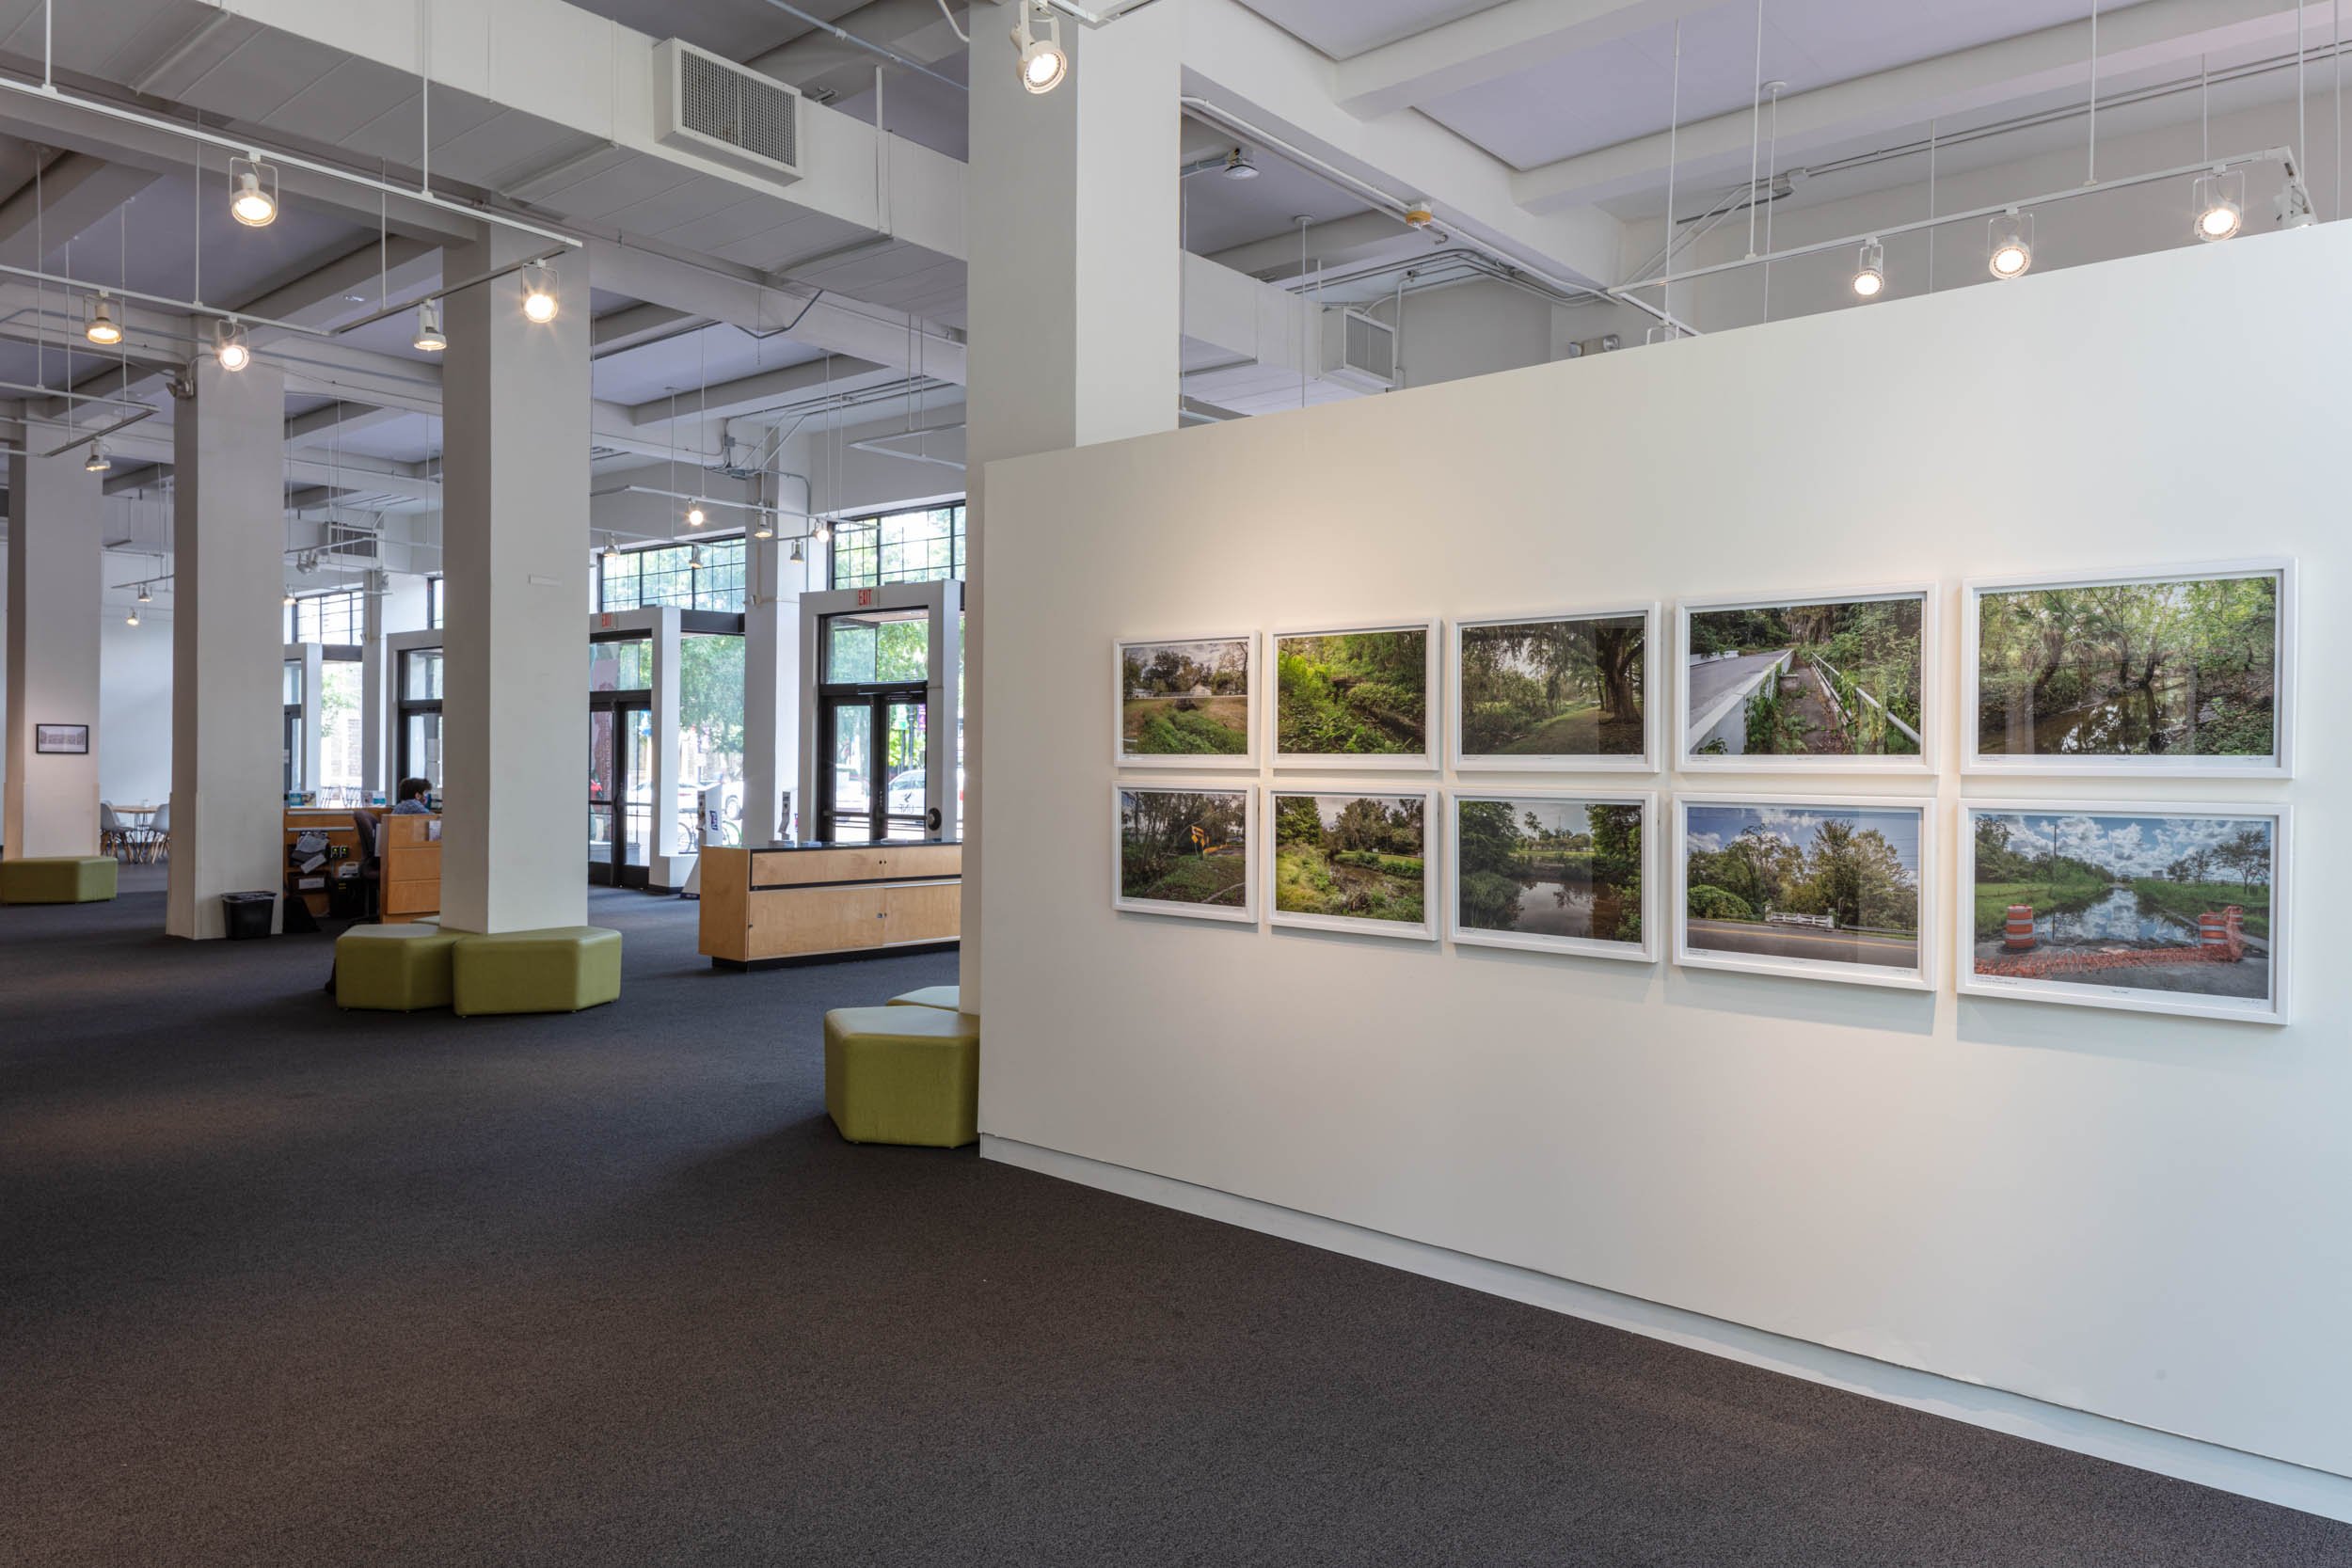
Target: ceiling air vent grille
713,106
1359,350
351,543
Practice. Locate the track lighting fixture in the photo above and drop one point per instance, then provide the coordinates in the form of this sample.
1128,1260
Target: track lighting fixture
144,596
766,527
823,532
2220,204
229,347
133,619
611,547
539,296
429,338
798,555
253,191
290,599
99,326
1869,277
1238,166
2011,252
1043,62
695,516
97,461
694,558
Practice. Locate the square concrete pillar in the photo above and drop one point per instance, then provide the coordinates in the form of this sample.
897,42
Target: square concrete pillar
56,526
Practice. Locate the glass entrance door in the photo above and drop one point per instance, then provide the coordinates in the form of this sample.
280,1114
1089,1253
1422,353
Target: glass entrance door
620,789
872,784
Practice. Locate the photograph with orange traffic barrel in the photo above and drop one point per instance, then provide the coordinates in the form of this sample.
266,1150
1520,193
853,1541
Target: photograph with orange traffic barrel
2163,909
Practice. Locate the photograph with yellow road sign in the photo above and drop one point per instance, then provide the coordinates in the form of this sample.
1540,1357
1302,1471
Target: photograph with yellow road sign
1829,889
1185,849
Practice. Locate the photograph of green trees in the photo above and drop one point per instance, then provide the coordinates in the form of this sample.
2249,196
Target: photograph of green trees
1826,679
1352,861
1815,886
1570,688
2176,668
2104,903
1184,851
1353,694
1547,872
1185,700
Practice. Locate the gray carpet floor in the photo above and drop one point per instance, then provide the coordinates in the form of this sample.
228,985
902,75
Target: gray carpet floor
285,1285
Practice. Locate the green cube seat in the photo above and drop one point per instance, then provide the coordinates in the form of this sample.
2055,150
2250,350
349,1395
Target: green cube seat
903,1075
947,997
562,969
394,968
57,880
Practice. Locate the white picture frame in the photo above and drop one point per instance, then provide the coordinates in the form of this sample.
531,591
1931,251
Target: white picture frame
1253,851
1245,760
1718,707
1920,976
1431,847
2279,765
1423,761
1646,951
2275,944
1654,700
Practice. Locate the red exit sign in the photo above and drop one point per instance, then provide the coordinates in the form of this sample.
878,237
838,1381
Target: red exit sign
865,598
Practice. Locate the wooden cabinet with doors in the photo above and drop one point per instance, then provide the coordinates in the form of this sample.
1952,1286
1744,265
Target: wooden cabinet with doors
765,905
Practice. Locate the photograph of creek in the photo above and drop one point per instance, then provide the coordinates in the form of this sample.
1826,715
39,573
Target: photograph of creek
1351,857
2139,901
2185,667
1539,866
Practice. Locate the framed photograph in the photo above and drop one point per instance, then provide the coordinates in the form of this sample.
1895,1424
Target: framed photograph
61,740
1822,887
1552,871
1355,696
1185,848
1185,702
1837,683
2189,671
1353,860
1572,689
2154,907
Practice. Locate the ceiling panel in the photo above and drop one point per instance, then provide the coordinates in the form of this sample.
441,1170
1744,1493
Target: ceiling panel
1345,27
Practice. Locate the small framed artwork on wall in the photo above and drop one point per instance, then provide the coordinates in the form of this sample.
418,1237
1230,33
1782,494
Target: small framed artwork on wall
1827,683
1185,702
1354,697
1187,849
2153,907
2188,672
1821,887
1575,690
1353,860
61,740
1552,871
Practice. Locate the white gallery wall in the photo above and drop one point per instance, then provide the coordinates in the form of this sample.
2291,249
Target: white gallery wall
2148,1218
135,708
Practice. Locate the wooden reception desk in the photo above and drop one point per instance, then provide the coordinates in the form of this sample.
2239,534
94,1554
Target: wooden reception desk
814,900
408,849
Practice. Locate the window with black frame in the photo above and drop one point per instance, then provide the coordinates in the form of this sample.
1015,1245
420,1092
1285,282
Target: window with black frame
923,544
337,618
704,574
419,737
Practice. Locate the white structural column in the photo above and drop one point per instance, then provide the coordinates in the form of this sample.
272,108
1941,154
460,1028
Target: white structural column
515,547
312,658
55,528
1075,289
771,680
373,726
227,643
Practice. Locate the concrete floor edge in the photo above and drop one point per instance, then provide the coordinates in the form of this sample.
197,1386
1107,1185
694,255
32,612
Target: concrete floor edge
2190,1459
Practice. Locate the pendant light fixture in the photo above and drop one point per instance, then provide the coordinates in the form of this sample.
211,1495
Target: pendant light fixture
694,558
766,527
2011,245
97,461
1043,61
429,338
100,325
540,302
823,532
798,555
253,191
695,516
133,619
144,596
1869,278
229,347
2220,204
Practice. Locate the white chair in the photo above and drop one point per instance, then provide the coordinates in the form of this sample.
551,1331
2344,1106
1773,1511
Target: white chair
114,838
158,836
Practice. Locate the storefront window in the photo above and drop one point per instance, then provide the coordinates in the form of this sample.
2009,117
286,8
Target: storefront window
867,650
711,730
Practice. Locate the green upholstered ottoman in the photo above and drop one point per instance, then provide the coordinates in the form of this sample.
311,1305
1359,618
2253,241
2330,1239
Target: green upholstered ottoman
560,969
57,880
903,1075
395,969
947,997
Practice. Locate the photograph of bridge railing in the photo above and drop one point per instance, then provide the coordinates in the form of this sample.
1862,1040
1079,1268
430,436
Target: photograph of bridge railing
2178,673
1838,682
1185,849
1570,689
2154,907
1353,861
1357,695
1186,704
1552,872
1828,889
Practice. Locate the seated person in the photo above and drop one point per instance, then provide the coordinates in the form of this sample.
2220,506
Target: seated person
410,797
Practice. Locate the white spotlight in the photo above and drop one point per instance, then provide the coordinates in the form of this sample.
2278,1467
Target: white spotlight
253,191
97,461
100,326
229,347
1238,166
1043,62
822,533
539,297
144,596
797,554
2011,253
766,529
429,338
694,558
695,516
133,619
2220,204
1869,278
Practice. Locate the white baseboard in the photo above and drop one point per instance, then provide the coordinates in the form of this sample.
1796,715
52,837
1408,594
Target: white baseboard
2165,1453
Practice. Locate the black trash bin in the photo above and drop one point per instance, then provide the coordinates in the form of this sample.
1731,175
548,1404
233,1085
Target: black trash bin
247,914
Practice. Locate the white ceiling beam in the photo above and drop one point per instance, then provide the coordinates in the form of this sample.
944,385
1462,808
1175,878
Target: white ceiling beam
634,327
763,389
2152,34
1492,43
75,192
1350,241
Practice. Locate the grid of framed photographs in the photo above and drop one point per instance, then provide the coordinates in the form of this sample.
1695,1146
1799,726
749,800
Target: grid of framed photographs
2146,905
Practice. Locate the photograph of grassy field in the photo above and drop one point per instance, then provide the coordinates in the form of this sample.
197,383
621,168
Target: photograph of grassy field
1189,699
1570,686
1840,678
2086,903
1818,887
1353,694
1352,861
1549,872
1184,851
2177,670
